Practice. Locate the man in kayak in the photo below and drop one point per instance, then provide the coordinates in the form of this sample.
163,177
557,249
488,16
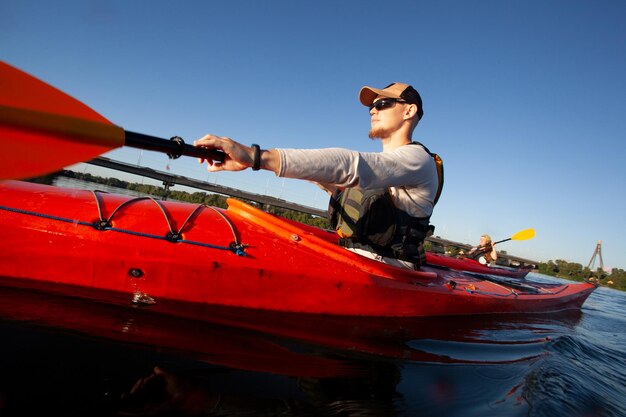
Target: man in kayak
381,201
485,252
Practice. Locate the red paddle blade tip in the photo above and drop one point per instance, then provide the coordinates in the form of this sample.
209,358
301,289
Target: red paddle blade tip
43,129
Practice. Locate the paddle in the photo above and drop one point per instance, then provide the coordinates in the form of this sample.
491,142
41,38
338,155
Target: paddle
521,235
43,130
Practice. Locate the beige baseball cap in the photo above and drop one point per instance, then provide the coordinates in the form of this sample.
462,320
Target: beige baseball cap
401,91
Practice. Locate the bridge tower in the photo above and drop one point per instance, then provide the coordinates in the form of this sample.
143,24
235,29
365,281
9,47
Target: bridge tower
596,253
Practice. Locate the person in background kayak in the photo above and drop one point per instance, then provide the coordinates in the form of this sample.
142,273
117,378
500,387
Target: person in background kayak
381,202
485,252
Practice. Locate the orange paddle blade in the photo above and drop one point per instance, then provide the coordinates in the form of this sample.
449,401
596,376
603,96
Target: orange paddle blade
43,129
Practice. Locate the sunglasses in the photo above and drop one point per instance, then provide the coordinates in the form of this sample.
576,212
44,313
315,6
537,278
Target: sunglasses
385,103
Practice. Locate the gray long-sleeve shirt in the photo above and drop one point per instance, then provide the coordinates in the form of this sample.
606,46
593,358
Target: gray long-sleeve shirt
409,171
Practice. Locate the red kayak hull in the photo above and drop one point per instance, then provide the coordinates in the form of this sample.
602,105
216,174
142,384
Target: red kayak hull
50,238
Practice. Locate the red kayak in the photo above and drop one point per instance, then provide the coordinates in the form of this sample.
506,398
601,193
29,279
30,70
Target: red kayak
180,258
471,265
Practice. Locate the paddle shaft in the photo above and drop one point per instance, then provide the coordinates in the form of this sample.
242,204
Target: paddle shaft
503,240
174,147
494,243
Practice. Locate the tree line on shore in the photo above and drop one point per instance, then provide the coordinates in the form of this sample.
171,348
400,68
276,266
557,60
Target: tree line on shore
559,268
576,272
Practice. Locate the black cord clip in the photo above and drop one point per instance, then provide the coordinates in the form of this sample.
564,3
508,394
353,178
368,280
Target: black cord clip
238,248
102,224
173,237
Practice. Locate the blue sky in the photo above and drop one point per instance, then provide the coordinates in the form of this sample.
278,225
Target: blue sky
524,100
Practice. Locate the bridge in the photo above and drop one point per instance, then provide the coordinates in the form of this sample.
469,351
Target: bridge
266,202
170,180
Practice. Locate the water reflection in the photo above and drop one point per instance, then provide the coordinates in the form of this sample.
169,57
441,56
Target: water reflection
241,363
67,182
184,394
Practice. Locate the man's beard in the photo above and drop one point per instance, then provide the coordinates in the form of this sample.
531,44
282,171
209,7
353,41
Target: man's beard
378,133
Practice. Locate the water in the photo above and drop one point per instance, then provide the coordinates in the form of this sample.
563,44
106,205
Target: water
67,182
73,357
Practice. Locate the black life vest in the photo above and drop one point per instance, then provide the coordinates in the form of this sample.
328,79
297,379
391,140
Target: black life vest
482,252
370,220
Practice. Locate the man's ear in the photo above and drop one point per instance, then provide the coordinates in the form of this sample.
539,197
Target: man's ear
411,111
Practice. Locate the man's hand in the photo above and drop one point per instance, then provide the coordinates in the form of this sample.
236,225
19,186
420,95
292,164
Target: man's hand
237,157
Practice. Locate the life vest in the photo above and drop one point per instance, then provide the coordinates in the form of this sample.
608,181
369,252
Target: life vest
482,254
369,219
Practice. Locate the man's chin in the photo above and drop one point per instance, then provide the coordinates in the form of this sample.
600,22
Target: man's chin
377,133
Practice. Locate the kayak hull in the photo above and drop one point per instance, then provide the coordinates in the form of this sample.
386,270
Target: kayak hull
179,258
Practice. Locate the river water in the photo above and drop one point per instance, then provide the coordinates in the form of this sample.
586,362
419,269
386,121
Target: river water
72,357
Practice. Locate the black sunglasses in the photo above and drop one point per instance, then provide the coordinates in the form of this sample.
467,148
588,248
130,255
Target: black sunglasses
385,103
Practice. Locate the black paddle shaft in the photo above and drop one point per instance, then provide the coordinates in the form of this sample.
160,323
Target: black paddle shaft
174,147
500,241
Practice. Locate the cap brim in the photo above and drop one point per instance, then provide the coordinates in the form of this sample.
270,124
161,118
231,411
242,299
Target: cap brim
367,95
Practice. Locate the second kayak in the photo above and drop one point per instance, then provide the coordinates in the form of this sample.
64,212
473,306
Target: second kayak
470,265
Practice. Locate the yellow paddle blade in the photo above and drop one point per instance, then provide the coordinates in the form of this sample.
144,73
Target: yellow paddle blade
524,234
